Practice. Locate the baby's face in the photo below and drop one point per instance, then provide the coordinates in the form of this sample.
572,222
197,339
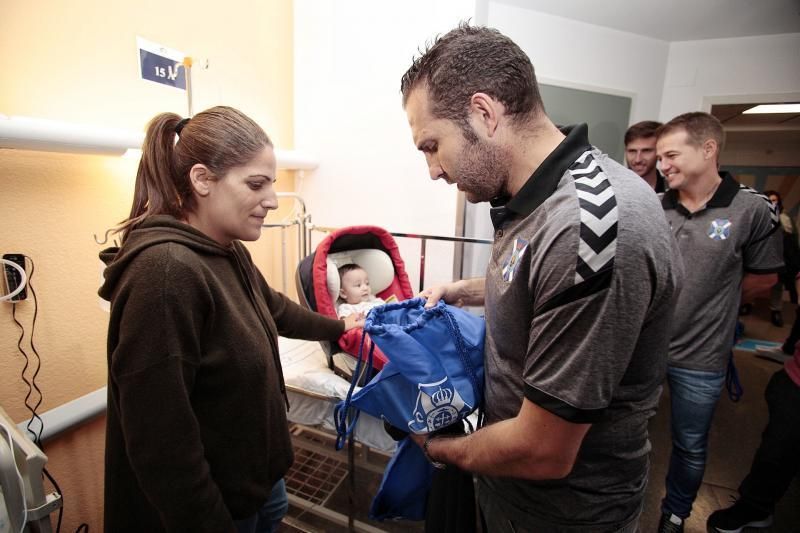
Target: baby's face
355,286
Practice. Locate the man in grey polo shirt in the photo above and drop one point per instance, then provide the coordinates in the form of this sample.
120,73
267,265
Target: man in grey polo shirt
723,229
578,293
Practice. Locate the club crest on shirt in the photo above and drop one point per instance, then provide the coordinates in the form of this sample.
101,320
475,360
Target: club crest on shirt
720,229
511,265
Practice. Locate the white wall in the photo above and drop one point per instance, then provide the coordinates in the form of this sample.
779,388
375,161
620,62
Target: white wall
575,54
349,58
699,72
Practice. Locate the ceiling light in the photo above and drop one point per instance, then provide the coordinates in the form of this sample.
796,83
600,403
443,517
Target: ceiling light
773,108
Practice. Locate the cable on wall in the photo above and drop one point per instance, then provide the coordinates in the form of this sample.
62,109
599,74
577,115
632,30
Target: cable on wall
32,386
22,283
31,402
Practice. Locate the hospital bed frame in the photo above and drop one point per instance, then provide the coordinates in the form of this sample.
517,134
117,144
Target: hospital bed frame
318,469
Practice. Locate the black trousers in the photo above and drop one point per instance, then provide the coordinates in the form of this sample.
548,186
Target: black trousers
451,500
777,459
794,335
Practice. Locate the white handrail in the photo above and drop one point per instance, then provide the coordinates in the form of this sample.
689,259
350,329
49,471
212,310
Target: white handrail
26,133
69,414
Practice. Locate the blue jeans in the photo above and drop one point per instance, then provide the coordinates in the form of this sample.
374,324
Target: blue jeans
267,518
693,395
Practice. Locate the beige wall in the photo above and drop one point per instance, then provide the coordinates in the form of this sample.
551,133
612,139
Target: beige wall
77,61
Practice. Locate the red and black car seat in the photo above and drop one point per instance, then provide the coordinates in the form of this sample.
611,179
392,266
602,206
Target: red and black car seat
317,278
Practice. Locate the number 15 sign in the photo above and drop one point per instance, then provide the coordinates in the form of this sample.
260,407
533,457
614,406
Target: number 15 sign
161,64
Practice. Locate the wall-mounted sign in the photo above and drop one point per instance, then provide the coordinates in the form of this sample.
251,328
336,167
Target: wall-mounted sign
161,64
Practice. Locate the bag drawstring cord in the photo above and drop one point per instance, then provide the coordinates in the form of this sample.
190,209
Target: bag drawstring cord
455,331
343,409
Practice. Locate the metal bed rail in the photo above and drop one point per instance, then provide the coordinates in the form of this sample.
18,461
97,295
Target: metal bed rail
302,221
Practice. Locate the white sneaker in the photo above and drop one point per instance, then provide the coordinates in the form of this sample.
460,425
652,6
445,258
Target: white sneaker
774,353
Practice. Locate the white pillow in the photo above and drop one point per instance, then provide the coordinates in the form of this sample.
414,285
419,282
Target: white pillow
377,263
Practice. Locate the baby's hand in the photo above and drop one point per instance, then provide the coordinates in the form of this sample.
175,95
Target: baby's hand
356,320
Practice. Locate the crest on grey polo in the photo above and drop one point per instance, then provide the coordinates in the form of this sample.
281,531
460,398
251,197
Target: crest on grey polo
719,229
512,263
598,210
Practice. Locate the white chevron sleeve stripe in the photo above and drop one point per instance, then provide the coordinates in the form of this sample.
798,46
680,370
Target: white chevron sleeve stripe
592,182
583,157
596,261
596,199
599,225
581,171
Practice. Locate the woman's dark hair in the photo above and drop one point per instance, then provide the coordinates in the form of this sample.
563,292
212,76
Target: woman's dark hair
219,138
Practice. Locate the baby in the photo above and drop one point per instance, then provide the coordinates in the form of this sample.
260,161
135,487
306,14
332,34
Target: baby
354,292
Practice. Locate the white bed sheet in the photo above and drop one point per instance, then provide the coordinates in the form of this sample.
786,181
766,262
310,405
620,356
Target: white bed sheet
305,367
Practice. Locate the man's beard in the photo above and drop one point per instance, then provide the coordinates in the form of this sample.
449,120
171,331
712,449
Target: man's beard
483,171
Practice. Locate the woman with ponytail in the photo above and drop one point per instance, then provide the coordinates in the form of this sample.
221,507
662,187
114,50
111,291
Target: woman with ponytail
197,437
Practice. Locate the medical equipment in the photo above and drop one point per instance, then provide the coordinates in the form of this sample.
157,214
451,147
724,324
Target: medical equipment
16,278
21,487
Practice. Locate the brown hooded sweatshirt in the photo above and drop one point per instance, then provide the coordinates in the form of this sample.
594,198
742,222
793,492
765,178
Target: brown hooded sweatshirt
196,432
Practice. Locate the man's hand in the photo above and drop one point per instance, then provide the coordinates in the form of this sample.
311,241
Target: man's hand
356,320
418,439
458,293
442,292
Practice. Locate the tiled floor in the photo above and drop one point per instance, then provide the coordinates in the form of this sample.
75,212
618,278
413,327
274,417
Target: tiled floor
734,437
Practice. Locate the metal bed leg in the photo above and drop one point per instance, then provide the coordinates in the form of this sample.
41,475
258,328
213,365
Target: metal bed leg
351,473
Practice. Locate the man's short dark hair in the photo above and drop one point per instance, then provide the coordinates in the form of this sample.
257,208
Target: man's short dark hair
699,127
472,59
641,130
771,192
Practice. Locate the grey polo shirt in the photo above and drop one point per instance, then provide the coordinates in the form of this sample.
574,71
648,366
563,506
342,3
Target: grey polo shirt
719,243
579,293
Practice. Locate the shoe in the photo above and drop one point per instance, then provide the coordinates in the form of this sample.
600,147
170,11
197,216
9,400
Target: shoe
737,517
776,318
670,523
775,353
745,309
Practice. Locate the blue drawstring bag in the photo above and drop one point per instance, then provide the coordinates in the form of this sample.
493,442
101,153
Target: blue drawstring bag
403,493
434,378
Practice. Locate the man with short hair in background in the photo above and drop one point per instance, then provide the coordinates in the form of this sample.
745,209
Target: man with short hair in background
640,153
723,230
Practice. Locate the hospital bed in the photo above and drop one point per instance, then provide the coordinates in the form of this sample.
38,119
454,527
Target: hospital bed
314,388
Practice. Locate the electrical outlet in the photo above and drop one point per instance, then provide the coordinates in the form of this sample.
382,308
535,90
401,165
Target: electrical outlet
13,277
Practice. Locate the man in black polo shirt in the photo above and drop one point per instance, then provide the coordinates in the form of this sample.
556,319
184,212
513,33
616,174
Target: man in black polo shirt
578,293
640,153
723,229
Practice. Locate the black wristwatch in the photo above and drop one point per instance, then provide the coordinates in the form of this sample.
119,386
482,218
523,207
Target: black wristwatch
436,464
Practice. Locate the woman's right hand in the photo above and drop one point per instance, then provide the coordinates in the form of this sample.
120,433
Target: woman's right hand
356,320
